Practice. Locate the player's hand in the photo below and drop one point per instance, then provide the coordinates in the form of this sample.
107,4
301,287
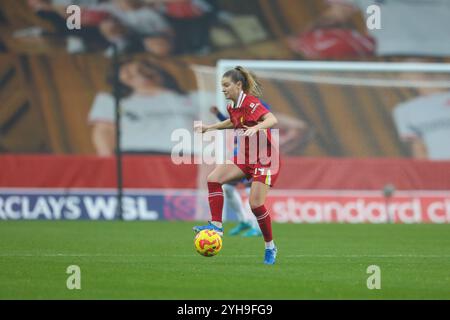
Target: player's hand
200,128
250,131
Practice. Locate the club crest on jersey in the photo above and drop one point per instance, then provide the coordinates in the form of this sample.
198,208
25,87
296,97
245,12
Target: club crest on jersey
253,106
242,120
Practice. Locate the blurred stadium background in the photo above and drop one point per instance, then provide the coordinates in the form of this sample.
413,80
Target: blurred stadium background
370,146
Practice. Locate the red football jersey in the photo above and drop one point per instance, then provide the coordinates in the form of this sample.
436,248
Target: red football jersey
248,112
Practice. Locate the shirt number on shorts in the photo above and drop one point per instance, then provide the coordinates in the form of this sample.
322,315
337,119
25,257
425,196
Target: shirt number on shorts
261,171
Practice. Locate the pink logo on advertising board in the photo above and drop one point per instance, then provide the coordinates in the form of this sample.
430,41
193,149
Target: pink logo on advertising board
179,207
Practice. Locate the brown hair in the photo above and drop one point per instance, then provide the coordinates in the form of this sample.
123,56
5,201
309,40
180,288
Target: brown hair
146,69
249,82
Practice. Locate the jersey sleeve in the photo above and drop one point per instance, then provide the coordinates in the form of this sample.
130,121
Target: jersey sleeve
402,122
265,104
221,116
102,109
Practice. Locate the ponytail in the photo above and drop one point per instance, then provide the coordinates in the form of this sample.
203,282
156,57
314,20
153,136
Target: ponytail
249,81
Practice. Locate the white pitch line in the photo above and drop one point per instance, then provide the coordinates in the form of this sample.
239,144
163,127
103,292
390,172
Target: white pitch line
232,256
368,256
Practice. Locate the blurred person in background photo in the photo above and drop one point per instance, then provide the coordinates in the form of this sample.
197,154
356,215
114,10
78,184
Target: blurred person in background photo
134,26
407,28
191,21
152,107
423,122
131,25
77,41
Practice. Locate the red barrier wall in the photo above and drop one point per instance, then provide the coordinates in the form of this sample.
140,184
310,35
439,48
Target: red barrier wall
52,171
42,171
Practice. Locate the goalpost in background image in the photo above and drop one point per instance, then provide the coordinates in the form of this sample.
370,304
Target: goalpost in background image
348,104
333,113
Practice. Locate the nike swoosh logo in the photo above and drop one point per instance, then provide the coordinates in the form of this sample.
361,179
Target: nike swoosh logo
325,44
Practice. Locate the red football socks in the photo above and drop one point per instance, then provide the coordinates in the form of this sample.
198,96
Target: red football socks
215,198
264,221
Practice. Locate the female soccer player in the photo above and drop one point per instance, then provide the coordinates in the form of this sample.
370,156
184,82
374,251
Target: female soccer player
251,120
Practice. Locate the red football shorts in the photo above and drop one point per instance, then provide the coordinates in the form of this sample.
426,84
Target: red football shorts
266,174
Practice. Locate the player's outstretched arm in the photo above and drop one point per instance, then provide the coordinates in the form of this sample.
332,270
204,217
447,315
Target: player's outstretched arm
226,124
418,149
104,138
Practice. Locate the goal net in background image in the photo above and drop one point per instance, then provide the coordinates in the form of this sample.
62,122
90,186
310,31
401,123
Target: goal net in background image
351,106
348,133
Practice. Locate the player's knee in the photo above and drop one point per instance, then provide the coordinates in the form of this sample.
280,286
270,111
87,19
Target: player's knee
221,180
256,202
212,178
216,178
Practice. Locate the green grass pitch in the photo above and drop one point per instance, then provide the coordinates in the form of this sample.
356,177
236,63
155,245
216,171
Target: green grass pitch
157,260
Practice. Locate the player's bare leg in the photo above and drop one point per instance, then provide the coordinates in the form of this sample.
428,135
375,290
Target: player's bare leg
224,173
